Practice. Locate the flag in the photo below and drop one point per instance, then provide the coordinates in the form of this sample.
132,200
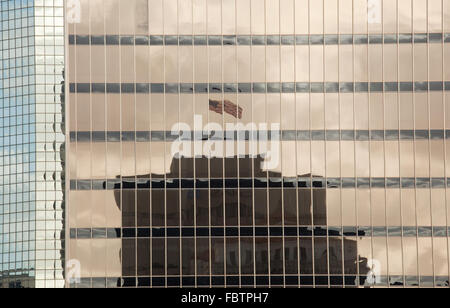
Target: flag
228,106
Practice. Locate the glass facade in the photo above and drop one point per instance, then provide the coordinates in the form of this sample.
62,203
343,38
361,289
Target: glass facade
258,143
31,191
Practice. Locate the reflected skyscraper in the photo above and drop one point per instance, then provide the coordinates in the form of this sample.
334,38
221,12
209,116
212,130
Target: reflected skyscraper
257,143
31,144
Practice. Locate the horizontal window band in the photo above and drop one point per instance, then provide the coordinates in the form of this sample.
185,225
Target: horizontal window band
258,280
260,183
277,231
285,135
260,87
259,40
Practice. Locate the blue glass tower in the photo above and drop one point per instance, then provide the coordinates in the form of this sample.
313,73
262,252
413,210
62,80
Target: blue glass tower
31,139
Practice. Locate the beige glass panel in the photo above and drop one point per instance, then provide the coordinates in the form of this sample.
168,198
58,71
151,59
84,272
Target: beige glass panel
437,159
141,64
436,62
393,208
408,202
405,62
419,15
229,17
360,16
82,201
113,258
128,113
391,111
289,159
423,207
333,159
349,207
83,113
257,17
361,107
156,69
98,265
378,200
392,158
390,61
318,158
422,158
113,160
243,16
380,254
346,111
406,111
186,64
127,14
155,10
244,63
171,66
317,111
365,250
112,69
420,63
376,111
170,11
201,64
99,214
172,111
83,26
97,17
406,159
113,212
303,158
288,16
185,24
72,210
377,159
346,63
199,13
438,207
303,111
142,113
316,15
98,160
73,162
389,16
331,63
364,208
214,14
440,256
446,15
229,64
347,159
405,16
112,10
395,256
375,63
215,64
437,113
143,151
83,253
361,62
410,256
287,63
288,109
362,155
425,247
302,63
316,73
128,159
84,155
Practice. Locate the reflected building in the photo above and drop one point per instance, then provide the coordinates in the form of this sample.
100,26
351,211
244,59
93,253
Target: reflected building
257,143
31,144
